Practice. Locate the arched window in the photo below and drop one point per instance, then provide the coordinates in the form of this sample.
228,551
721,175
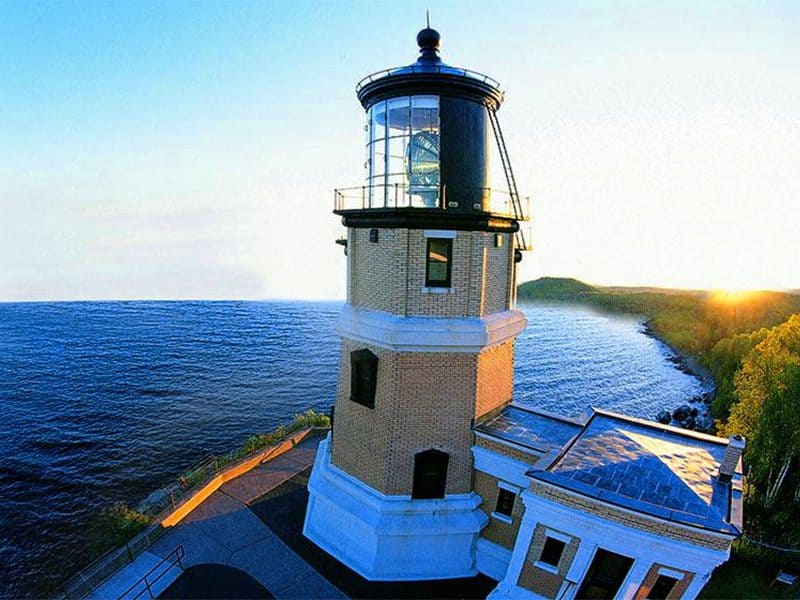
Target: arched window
363,377
430,474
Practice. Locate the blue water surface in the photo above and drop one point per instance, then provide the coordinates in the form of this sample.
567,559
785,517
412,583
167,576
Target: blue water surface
103,402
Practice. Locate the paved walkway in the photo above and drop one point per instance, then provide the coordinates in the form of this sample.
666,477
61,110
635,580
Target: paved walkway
224,531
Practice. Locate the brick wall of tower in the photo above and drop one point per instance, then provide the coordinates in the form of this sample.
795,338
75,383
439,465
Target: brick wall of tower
378,270
499,264
361,435
389,274
433,409
423,401
495,378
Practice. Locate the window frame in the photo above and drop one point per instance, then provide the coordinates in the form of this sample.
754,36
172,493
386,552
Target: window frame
503,494
543,558
363,359
660,577
420,489
447,283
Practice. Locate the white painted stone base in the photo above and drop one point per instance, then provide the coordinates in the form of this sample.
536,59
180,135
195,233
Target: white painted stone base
505,591
491,559
390,538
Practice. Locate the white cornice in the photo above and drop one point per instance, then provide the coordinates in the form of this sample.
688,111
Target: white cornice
429,334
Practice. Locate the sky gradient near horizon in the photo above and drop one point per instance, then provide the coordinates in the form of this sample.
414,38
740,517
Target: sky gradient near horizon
190,149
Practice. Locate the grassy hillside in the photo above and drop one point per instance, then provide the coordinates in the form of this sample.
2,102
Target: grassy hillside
554,288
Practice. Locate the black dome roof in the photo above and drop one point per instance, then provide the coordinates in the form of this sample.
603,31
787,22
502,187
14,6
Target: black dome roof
429,75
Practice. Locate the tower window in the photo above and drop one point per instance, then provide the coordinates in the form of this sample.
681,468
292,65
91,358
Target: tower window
505,502
438,262
430,474
363,377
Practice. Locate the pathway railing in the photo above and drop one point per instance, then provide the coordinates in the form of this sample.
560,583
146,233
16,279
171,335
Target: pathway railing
147,582
171,497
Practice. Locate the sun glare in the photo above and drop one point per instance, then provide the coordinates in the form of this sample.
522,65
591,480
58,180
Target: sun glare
732,295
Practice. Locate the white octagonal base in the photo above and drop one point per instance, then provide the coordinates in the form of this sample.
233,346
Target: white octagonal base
390,538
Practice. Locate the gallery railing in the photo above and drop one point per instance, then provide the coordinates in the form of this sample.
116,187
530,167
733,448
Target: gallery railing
395,195
441,69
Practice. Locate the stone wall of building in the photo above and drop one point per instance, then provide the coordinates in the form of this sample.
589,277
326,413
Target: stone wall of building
497,531
495,378
644,523
652,575
389,274
542,581
527,456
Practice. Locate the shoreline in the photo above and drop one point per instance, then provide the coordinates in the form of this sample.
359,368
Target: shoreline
684,361
695,412
687,363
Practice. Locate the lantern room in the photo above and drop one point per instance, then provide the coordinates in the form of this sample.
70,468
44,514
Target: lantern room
430,132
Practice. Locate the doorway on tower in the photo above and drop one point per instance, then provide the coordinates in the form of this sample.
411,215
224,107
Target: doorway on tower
430,474
605,576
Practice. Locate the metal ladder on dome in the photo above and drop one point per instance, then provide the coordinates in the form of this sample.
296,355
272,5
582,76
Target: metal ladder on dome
509,173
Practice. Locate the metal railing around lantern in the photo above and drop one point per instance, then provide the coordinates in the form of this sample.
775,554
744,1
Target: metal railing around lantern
395,195
440,69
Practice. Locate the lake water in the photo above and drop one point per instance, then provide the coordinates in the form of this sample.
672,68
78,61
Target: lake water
106,401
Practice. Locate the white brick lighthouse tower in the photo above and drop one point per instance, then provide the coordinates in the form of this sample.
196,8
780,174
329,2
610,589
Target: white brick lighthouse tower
428,329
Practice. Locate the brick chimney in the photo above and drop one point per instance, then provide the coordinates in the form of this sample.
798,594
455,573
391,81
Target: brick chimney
733,453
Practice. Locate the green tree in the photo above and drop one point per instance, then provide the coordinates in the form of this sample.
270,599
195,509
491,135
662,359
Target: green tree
767,412
761,371
724,360
776,441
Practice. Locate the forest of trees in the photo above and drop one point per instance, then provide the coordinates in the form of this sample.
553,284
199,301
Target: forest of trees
750,343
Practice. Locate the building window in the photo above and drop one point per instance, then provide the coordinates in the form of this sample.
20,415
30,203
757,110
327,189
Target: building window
430,474
605,575
662,587
363,377
505,502
438,262
552,551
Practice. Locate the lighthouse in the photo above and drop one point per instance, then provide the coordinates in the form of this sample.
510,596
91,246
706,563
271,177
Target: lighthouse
429,326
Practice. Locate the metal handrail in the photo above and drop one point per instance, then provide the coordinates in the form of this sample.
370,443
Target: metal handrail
446,69
178,553
396,195
522,243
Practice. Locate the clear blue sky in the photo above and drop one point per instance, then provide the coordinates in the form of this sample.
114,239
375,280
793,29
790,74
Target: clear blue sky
190,149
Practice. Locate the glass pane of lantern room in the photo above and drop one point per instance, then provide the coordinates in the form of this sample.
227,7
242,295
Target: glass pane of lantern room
377,161
399,116
423,151
378,180
397,160
378,121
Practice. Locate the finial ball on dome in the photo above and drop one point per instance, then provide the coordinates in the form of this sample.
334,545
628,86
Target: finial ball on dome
428,39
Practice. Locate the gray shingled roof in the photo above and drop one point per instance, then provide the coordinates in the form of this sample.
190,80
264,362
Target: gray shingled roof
649,468
532,429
